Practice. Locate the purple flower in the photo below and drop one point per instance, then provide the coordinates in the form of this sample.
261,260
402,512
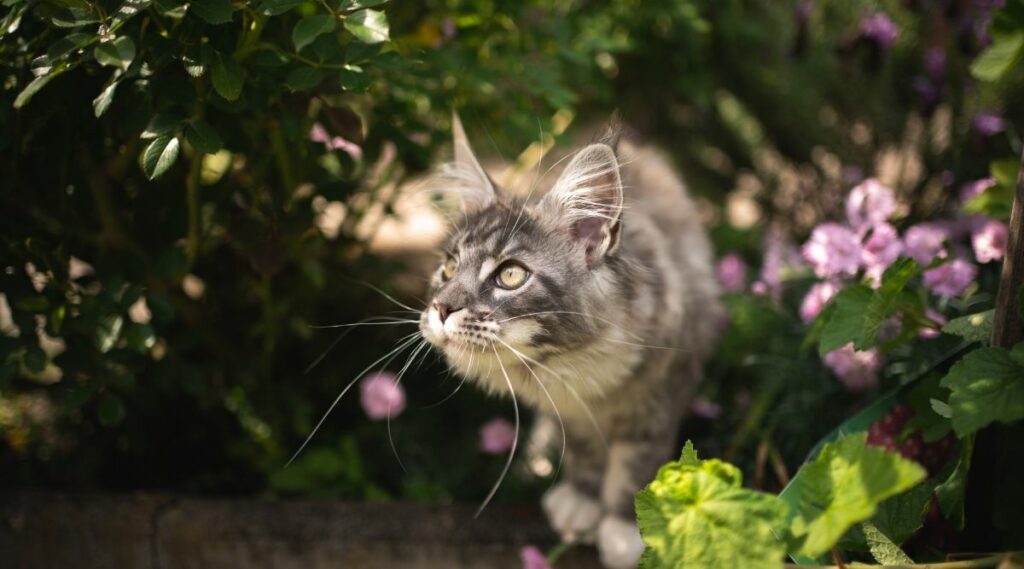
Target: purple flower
950,279
869,204
879,28
759,288
381,396
936,317
780,257
832,250
319,134
881,248
532,558
924,242
935,63
971,190
987,123
732,273
929,92
496,436
817,297
448,28
989,241
857,370
705,408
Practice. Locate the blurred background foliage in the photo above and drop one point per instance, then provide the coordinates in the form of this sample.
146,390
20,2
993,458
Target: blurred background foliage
188,188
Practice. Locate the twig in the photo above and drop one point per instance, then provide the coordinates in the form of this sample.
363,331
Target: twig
1006,330
980,563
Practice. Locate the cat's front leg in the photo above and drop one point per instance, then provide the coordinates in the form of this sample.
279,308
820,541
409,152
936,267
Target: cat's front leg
573,506
631,464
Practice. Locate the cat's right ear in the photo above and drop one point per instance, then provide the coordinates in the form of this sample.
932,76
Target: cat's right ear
475,188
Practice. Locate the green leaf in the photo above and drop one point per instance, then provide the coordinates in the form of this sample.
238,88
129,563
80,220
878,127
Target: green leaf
987,385
118,53
843,486
159,155
110,410
304,78
347,5
311,27
884,301
973,327
689,457
107,332
276,7
847,322
139,337
36,85
368,26
882,548
161,124
950,493
213,11
202,137
102,101
1000,57
700,516
228,77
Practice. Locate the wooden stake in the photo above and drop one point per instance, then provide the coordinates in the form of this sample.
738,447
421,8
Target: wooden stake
1006,329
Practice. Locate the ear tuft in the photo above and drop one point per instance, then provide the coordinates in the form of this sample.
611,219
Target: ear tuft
467,177
588,196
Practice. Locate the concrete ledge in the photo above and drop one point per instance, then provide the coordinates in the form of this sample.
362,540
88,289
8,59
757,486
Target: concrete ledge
94,531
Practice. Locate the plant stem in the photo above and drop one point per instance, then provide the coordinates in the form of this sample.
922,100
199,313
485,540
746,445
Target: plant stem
1006,330
979,563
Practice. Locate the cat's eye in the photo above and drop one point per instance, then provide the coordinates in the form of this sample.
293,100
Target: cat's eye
511,275
448,268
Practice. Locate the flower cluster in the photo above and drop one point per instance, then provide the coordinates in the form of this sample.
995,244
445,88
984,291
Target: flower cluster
862,247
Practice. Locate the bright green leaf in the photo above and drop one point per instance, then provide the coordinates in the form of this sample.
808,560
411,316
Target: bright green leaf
118,53
159,155
689,457
987,385
102,101
202,137
843,486
973,327
700,516
228,77
847,322
882,548
999,58
884,300
368,26
213,11
311,27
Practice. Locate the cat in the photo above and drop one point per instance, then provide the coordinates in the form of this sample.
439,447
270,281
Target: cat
596,304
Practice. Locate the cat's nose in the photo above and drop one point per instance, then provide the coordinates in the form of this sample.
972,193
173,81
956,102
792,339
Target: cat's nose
443,310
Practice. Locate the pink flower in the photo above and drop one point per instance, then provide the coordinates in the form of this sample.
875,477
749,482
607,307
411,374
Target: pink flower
971,190
832,250
319,134
759,288
532,558
950,279
816,299
989,241
988,123
869,204
381,396
780,256
496,436
923,242
936,317
857,370
705,408
732,273
879,28
880,250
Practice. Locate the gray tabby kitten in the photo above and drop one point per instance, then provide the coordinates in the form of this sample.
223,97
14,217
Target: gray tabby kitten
594,304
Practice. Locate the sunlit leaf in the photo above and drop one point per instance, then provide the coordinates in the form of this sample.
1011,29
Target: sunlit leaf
159,155
368,26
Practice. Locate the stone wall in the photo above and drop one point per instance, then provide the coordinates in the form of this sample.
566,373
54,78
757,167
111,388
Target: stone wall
45,530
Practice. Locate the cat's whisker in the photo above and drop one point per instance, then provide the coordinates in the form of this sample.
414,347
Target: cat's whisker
561,424
404,343
515,438
393,322
389,297
398,381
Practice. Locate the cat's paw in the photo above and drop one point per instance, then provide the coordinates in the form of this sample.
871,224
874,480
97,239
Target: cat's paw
619,543
573,514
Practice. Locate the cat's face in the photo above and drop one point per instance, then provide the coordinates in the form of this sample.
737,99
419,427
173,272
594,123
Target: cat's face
523,279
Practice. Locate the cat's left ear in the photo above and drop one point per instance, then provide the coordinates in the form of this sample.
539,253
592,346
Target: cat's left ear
588,196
